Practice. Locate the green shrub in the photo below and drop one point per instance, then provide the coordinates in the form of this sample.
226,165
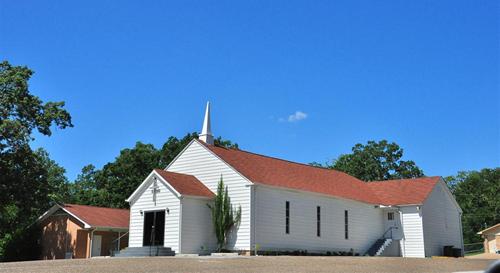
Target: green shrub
22,245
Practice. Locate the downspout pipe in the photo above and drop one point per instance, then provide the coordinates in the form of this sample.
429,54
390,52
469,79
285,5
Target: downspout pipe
180,225
403,245
254,220
461,233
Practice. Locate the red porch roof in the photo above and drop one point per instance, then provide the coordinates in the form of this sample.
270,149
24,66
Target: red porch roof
100,216
185,184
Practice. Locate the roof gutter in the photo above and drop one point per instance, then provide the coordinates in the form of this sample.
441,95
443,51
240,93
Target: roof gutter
104,228
197,197
383,206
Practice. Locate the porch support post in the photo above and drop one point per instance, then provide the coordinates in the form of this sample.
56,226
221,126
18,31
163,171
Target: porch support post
91,240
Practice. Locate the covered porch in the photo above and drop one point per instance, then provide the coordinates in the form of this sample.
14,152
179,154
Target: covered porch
77,231
105,241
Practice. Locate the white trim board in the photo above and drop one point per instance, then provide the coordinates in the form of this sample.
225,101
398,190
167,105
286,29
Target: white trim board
55,208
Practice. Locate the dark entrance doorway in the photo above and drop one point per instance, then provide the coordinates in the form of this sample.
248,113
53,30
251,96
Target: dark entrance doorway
154,228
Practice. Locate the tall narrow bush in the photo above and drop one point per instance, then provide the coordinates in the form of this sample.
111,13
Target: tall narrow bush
224,216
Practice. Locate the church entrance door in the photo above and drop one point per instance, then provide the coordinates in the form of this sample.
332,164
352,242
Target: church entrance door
154,228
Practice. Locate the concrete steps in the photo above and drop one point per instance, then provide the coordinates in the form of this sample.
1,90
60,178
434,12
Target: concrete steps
378,247
387,242
145,251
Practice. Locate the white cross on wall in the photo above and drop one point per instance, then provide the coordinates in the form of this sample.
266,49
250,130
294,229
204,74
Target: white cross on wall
155,189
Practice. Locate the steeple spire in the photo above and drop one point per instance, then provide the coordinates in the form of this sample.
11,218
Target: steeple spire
206,133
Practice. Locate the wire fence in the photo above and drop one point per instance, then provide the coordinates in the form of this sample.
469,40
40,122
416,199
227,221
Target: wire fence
474,248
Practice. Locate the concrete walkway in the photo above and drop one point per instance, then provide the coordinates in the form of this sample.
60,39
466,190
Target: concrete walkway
489,256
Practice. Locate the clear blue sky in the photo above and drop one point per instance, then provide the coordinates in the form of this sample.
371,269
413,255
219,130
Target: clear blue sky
424,74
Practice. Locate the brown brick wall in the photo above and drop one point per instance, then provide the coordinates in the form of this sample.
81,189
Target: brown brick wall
82,244
59,235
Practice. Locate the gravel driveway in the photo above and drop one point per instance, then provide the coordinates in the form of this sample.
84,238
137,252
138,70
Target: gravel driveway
250,264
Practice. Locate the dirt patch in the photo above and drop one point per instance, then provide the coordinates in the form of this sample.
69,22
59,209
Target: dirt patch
250,264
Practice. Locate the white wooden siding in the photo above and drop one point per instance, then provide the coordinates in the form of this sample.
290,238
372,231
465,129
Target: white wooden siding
441,220
413,242
366,223
164,199
205,166
197,228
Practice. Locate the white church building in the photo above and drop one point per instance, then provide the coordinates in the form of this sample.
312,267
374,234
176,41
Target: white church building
288,206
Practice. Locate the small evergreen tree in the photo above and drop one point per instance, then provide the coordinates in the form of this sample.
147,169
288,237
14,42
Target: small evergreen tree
224,216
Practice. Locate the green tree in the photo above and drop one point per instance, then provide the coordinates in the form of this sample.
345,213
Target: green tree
23,244
120,178
22,112
24,193
225,143
57,182
173,146
114,183
477,193
84,190
375,161
224,216
29,179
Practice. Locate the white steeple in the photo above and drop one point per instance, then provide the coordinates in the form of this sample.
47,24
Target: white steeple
206,133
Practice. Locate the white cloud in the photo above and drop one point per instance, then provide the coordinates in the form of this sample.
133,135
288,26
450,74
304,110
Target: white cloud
298,115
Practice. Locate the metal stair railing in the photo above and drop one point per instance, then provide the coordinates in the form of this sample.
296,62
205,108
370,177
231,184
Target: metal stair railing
389,229
383,246
383,238
112,247
390,237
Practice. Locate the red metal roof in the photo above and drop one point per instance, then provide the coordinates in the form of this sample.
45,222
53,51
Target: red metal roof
282,173
404,191
185,184
99,216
